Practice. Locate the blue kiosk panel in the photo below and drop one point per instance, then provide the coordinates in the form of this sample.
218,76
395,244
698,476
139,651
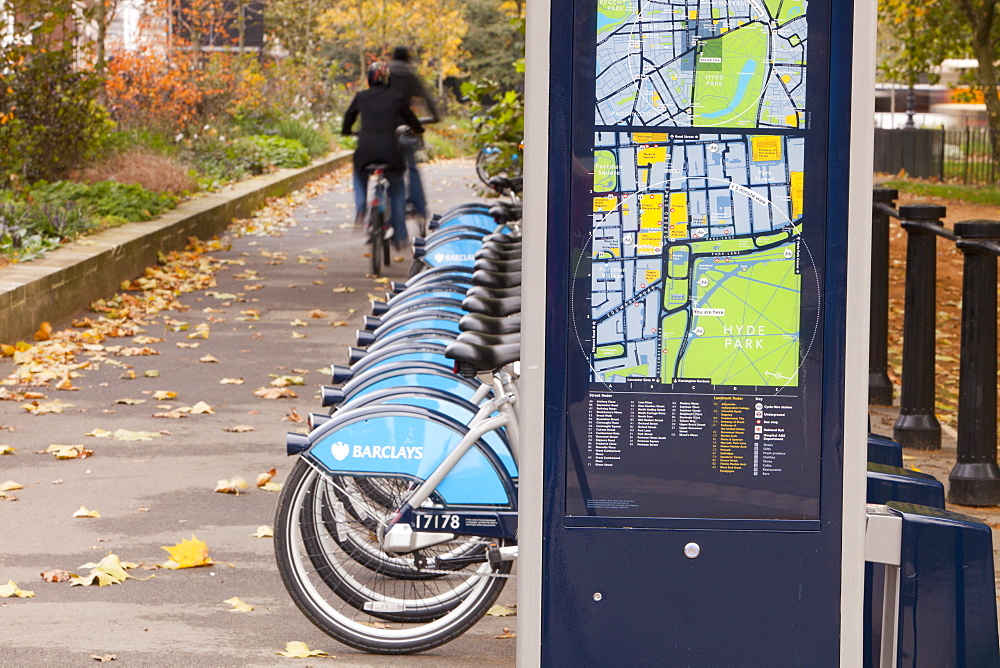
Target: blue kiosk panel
694,424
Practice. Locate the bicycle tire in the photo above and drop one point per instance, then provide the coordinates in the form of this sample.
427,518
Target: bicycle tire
386,252
377,237
323,605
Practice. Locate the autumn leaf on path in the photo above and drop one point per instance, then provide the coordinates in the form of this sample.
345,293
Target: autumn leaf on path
107,571
293,416
103,658
298,323
44,332
239,428
164,395
208,359
151,373
6,450
317,313
10,486
238,605
300,650
124,434
234,486
68,451
506,634
188,554
131,402
500,611
83,512
175,415
201,408
55,575
263,531
275,393
285,381
231,381
264,478
11,589
37,408
343,289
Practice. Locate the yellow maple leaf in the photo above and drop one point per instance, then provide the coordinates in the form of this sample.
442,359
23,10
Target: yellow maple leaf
188,554
83,512
238,604
200,408
108,571
164,395
11,589
264,478
234,486
44,332
263,531
126,435
299,650
10,486
6,450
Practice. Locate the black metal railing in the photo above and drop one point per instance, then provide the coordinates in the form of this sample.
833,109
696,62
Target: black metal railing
963,155
975,478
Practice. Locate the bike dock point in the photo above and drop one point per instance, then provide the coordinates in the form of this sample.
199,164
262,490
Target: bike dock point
698,391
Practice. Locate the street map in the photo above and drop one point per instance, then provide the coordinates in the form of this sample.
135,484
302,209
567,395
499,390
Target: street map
701,63
696,258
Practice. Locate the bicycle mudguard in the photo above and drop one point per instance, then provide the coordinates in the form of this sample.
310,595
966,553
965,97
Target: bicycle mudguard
402,380
429,334
396,331
434,356
411,442
431,291
392,321
444,403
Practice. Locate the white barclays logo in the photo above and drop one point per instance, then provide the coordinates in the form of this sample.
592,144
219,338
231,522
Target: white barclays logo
452,257
341,450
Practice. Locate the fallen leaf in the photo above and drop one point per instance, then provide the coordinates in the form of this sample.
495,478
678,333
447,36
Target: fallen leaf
188,554
285,381
382,280
500,611
238,605
107,571
234,486
44,332
271,487
127,435
343,289
10,589
83,512
293,416
69,451
202,408
55,575
263,531
174,415
164,395
231,381
151,373
264,478
506,634
300,650
185,344
131,402
275,393
103,658
239,428
54,406
6,450
339,323
298,335
317,313
10,486
298,323
207,359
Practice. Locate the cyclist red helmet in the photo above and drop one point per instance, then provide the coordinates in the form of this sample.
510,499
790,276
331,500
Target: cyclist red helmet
378,74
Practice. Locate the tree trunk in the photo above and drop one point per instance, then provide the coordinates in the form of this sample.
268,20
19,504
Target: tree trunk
981,16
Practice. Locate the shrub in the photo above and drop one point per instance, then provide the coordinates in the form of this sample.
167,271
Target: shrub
29,229
281,152
49,121
153,171
220,161
316,141
107,199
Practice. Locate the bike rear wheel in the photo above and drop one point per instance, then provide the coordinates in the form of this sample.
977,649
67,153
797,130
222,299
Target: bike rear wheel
327,583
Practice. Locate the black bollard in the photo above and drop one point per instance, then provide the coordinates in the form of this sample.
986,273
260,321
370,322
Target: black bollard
975,479
879,385
917,426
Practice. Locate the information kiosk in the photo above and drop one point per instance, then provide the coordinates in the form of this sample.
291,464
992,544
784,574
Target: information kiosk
692,491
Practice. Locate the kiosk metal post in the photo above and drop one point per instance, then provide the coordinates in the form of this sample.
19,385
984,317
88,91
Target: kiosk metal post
694,370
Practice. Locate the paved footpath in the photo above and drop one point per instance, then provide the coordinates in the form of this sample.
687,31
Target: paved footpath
155,493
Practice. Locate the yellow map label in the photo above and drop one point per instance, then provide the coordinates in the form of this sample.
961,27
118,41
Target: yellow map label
766,148
678,231
652,275
651,155
649,137
605,203
651,210
796,192
678,208
650,243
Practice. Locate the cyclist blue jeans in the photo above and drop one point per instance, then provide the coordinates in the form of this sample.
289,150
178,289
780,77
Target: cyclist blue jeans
415,195
397,200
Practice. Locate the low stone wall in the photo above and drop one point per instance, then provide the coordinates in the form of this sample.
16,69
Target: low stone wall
67,279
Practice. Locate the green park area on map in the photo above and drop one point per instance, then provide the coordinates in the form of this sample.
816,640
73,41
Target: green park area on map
730,77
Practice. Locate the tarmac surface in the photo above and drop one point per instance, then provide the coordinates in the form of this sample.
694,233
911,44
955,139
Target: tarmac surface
289,306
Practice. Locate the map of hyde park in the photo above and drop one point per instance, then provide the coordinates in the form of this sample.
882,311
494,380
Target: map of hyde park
701,63
696,258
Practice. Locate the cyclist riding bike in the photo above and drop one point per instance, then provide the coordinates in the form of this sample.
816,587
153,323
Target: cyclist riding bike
382,110
404,79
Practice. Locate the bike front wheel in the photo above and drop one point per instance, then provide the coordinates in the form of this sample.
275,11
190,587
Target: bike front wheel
325,580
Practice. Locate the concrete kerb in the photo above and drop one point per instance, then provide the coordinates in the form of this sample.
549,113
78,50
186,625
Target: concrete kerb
66,279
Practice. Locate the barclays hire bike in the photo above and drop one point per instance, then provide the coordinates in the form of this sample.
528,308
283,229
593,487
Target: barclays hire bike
378,226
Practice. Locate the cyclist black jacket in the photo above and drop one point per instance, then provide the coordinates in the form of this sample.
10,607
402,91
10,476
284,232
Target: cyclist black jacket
382,110
404,78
